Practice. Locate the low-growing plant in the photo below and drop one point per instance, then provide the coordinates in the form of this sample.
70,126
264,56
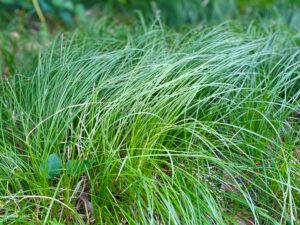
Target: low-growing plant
52,167
200,127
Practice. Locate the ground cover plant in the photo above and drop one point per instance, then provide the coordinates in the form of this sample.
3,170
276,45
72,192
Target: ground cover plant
144,125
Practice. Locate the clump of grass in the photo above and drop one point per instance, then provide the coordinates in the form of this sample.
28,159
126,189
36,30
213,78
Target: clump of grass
195,128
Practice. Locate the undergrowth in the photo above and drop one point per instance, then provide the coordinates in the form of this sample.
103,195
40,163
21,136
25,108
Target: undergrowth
178,128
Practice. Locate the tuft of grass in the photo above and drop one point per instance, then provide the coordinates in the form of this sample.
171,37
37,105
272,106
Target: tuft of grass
193,128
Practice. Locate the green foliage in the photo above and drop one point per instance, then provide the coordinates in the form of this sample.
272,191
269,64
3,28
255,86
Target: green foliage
152,126
76,167
65,9
54,222
180,128
52,166
54,9
175,12
20,46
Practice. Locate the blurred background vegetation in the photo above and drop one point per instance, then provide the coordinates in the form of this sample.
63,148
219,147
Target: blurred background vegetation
173,12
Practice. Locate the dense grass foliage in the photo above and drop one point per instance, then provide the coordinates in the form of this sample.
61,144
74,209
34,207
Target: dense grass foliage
194,128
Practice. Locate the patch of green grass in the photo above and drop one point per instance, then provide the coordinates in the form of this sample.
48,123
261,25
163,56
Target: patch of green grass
194,128
19,47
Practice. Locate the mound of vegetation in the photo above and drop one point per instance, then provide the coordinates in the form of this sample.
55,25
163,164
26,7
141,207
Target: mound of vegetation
144,125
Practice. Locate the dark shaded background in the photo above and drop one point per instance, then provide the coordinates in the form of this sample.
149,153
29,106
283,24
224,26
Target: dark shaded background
173,12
